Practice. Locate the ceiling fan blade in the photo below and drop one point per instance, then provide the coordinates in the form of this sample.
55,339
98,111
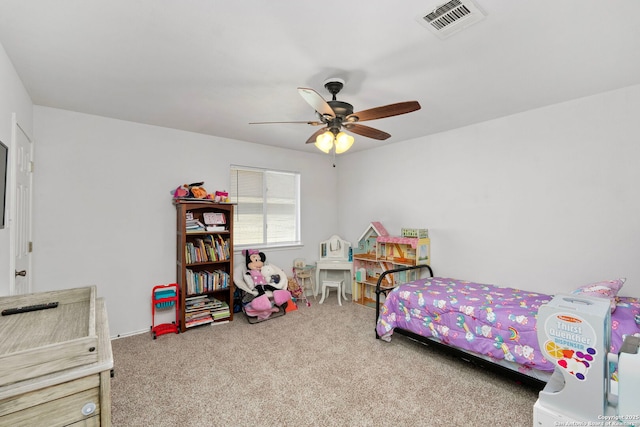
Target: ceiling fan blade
301,122
312,138
367,131
386,111
316,101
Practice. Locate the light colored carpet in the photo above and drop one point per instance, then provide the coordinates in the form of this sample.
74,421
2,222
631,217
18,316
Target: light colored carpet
317,366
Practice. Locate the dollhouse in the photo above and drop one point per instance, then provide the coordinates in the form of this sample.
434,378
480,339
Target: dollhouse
378,251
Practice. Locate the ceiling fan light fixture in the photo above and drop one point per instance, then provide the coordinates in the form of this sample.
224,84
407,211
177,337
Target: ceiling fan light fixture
324,141
343,142
336,115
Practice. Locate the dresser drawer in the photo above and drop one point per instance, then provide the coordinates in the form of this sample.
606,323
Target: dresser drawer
58,405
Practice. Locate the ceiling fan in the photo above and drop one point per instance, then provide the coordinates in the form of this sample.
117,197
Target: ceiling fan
337,116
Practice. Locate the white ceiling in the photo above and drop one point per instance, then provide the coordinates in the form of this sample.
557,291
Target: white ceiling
212,67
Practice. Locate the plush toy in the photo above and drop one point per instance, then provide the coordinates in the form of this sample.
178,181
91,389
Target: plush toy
262,278
255,262
199,192
181,192
270,274
221,196
194,190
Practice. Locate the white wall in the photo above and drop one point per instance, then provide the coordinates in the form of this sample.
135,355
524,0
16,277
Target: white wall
545,200
13,100
103,213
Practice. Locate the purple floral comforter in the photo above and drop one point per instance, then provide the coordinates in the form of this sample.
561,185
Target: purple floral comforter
485,319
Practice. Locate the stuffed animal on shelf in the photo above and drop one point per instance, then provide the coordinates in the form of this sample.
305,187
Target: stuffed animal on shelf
199,192
194,191
221,196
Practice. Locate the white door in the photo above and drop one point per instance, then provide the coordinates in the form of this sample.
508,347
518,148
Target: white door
22,172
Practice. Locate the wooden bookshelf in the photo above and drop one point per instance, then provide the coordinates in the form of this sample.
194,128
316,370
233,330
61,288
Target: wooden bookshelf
204,262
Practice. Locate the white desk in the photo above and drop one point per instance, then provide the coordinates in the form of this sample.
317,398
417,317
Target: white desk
343,265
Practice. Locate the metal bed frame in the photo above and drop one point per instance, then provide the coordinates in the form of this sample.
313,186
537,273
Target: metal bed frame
430,342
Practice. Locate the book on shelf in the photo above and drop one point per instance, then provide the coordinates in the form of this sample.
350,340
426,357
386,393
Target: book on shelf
220,309
195,229
198,300
198,322
199,282
217,304
195,298
221,315
205,314
207,249
197,308
215,228
204,309
193,223
204,304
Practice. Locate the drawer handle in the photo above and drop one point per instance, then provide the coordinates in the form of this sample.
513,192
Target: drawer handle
88,408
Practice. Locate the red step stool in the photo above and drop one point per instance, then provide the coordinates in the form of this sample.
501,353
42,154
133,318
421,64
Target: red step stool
164,297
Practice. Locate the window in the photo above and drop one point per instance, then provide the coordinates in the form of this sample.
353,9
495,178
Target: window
267,211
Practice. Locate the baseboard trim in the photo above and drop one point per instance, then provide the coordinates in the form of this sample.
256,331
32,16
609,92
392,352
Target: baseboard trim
130,334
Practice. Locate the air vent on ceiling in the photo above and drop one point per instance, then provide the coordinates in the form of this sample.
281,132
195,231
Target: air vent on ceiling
451,17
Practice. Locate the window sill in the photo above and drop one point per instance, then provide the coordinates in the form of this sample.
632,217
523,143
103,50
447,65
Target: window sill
285,246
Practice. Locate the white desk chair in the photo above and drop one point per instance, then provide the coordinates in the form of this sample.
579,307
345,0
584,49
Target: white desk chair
338,284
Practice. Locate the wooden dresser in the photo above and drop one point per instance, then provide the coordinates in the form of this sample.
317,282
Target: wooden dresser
55,364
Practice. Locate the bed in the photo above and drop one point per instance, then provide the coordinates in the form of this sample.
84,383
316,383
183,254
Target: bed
491,326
